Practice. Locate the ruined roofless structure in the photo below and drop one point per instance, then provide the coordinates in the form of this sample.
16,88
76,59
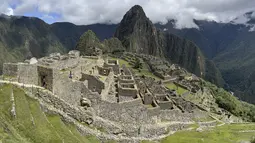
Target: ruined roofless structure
101,87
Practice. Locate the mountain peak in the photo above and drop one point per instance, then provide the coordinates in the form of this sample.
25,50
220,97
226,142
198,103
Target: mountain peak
133,29
137,8
136,11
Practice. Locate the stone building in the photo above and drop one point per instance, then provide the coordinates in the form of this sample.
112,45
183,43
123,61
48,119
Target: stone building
126,79
127,89
103,70
10,69
45,77
114,64
94,84
164,102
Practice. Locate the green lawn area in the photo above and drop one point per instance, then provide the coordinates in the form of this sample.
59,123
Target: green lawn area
204,119
179,90
144,71
31,124
223,134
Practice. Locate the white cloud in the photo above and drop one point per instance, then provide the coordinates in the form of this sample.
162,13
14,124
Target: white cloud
252,29
101,11
9,11
253,15
5,8
243,19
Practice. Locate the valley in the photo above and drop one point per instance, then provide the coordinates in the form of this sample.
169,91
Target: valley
132,82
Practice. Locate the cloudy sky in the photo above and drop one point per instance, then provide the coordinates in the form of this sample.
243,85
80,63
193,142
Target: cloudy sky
83,12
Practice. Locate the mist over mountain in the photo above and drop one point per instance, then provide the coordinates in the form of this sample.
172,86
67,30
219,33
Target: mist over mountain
229,45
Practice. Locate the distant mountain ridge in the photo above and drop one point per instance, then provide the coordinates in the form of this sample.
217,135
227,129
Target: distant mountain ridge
230,45
139,35
24,37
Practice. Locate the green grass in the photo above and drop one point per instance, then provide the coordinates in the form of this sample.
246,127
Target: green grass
147,142
178,89
194,126
144,71
31,124
121,62
223,134
253,140
102,78
204,119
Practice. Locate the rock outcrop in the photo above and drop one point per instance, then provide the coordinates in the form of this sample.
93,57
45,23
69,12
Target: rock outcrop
139,35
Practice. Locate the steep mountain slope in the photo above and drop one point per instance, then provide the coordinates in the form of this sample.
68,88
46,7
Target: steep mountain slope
139,35
230,46
31,124
25,37
69,33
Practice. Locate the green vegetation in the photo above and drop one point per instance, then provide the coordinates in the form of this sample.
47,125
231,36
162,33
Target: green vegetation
31,124
137,64
194,126
229,102
113,46
147,142
179,89
223,134
204,119
142,71
88,41
253,140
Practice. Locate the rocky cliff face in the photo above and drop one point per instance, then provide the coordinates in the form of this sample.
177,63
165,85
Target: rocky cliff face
139,35
230,46
24,37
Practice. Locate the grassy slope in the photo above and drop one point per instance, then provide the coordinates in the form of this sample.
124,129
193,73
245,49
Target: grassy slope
143,71
223,134
31,124
179,90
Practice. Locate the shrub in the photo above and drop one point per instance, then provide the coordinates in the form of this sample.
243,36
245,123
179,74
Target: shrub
253,140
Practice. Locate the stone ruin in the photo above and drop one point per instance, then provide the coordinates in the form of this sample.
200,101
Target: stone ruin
105,88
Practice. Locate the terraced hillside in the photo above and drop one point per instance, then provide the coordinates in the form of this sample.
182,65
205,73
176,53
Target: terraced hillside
31,124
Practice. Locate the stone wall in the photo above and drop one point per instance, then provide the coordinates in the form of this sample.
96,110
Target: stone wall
127,91
27,74
94,84
114,65
10,69
155,110
175,115
166,104
64,64
45,77
126,79
69,90
147,98
104,71
182,86
90,57
126,71
126,112
77,113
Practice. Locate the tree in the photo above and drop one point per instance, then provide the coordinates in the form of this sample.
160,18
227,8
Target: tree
137,64
88,43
